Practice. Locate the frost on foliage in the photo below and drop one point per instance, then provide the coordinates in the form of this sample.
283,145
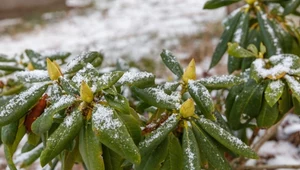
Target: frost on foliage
103,119
274,91
27,155
33,76
191,158
162,97
88,74
60,104
281,64
204,96
159,132
224,134
272,33
294,85
69,120
20,99
224,81
131,77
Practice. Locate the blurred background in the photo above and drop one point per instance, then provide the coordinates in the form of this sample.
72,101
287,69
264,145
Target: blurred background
134,30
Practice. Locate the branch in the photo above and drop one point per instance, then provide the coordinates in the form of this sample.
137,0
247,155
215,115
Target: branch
272,167
269,133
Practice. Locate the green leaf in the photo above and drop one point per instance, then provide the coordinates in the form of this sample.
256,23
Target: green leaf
68,86
18,106
274,91
153,139
14,90
209,149
171,62
285,102
237,51
109,127
212,4
133,127
82,60
239,36
10,68
268,115
27,158
118,102
33,76
90,148
156,157
9,157
220,82
225,138
246,105
5,58
225,38
112,160
174,159
296,105
36,60
191,154
291,7
270,38
9,133
202,98
108,79
57,55
293,85
138,79
253,49
157,97
169,87
62,137
44,122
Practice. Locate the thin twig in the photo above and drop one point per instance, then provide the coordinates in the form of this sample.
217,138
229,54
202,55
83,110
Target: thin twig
269,133
272,167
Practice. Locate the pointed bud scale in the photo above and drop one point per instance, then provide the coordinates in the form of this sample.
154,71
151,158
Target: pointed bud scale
53,70
187,109
190,72
86,93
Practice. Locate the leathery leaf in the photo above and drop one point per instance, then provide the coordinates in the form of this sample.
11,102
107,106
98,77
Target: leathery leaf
155,137
202,98
90,148
274,91
171,62
44,122
20,104
225,138
113,133
191,154
209,149
62,137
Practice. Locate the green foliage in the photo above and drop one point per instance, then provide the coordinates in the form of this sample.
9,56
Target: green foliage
122,120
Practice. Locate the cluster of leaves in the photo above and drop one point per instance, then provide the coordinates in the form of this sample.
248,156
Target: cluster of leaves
271,73
118,119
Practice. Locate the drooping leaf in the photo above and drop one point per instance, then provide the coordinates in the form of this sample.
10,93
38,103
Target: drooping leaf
209,149
191,153
62,137
90,148
291,7
109,127
138,79
268,115
237,51
225,138
202,98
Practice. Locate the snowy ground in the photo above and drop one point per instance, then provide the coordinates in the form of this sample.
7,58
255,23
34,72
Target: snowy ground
128,28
